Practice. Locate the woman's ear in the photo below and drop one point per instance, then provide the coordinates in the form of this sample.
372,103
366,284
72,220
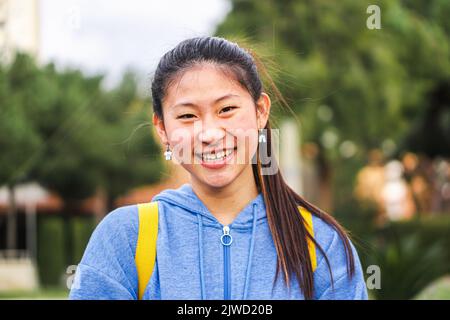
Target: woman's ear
263,110
160,129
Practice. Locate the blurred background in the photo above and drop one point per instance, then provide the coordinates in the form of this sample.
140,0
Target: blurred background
370,87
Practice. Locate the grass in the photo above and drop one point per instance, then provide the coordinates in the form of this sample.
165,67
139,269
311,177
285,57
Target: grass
51,293
437,290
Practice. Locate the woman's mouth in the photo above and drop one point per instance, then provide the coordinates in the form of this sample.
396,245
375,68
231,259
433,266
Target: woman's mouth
216,159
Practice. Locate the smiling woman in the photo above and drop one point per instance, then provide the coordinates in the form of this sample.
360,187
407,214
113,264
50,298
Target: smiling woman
231,231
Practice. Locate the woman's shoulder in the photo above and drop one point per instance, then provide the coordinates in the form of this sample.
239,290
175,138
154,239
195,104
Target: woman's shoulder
333,244
324,232
116,232
331,241
122,219
107,269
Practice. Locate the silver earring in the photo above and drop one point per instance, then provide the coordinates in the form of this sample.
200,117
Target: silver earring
168,153
262,137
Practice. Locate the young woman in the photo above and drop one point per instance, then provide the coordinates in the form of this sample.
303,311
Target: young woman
235,228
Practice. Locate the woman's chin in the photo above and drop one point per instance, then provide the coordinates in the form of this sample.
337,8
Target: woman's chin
217,180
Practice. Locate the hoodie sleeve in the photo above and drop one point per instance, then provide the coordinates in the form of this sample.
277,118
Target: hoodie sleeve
344,287
107,269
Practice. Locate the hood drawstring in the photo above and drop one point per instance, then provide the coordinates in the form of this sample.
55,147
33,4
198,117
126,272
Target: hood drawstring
250,254
200,245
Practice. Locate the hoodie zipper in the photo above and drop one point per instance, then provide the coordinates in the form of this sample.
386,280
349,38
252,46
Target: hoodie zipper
226,240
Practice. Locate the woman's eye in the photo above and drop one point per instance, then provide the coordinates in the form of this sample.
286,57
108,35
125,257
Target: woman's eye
228,108
185,116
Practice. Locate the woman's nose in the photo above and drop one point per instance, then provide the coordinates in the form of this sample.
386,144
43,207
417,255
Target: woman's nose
211,135
209,131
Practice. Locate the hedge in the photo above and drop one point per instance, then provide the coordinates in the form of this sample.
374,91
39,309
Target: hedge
53,258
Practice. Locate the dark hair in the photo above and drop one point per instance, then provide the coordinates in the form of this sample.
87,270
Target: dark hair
287,226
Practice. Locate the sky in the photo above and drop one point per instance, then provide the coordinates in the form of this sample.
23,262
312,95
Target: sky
104,36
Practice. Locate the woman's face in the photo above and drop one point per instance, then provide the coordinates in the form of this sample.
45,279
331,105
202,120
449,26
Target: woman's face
211,124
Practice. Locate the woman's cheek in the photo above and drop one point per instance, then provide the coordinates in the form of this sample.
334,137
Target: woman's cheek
182,145
247,134
247,144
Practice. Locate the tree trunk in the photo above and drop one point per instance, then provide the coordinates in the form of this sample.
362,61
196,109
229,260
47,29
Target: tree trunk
325,183
71,207
11,231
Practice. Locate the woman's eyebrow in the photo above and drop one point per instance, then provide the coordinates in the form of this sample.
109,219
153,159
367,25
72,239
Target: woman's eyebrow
190,104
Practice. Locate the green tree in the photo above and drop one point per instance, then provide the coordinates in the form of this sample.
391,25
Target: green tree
64,130
374,83
18,137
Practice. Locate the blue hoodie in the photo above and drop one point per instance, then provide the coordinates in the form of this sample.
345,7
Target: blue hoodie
192,262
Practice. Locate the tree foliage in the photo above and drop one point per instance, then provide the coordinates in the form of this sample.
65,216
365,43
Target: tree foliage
376,88
66,131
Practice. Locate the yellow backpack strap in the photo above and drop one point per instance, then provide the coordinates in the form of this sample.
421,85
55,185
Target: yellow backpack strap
307,216
146,243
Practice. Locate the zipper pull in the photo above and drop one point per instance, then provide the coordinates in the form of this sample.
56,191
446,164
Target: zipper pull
226,238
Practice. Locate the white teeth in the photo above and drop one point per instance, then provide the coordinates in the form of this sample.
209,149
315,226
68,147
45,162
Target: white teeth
218,156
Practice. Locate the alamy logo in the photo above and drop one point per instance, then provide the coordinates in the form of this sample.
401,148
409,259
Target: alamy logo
374,280
374,20
73,278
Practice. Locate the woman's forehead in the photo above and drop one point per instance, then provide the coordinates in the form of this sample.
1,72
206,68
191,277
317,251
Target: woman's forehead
203,85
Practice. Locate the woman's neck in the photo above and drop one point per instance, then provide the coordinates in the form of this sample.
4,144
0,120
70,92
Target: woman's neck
227,202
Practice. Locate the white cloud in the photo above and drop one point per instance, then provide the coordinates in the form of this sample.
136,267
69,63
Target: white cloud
109,36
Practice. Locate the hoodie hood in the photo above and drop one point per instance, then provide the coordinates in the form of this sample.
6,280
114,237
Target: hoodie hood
185,197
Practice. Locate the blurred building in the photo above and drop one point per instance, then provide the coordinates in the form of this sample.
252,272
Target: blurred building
176,177
19,28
